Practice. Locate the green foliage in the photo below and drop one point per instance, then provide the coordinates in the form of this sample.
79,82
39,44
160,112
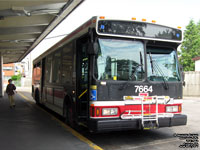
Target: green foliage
16,77
191,46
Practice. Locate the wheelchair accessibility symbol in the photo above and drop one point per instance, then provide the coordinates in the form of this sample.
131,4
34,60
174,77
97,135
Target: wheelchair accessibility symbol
93,95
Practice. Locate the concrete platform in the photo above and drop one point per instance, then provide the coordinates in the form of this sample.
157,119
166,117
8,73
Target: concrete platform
27,127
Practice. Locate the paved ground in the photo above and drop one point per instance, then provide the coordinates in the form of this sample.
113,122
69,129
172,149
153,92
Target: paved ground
28,127
159,139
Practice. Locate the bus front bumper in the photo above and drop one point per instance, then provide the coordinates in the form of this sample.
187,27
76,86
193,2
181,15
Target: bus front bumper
104,125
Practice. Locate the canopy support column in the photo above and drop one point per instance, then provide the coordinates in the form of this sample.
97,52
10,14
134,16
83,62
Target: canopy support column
1,76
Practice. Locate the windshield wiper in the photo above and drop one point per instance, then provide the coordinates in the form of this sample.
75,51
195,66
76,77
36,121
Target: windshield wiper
141,63
153,63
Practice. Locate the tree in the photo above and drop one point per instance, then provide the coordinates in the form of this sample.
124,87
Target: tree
16,77
191,46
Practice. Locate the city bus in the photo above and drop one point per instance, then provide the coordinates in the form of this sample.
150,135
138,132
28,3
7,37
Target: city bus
113,74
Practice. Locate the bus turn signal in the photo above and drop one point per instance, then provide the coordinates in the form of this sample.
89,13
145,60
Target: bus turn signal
102,17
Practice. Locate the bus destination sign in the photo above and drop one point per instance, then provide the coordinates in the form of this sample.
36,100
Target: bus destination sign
139,29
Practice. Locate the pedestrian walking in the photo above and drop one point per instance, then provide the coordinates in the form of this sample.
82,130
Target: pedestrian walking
10,91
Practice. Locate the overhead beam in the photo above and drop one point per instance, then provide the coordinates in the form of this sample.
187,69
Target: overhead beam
14,44
10,53
23,21
13,47
22,30
19,37
11,59
26,3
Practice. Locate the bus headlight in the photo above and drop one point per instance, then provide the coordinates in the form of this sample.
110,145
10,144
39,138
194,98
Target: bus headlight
109,111
171,108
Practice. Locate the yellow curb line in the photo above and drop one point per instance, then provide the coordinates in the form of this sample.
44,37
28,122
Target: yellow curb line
26,98
75,133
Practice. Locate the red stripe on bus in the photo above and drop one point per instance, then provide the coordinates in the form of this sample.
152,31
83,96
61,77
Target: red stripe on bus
59,94
148,109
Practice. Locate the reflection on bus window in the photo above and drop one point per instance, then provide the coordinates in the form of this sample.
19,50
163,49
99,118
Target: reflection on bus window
36,73
164,65
120,60
84,67
48,72
67,63
57,67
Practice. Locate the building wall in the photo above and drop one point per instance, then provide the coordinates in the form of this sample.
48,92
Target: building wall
192,84
197,65
8,71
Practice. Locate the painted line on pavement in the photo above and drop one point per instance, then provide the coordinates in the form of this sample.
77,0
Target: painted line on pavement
26,98
75,133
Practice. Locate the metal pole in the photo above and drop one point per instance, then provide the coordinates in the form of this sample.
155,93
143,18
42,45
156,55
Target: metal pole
1,76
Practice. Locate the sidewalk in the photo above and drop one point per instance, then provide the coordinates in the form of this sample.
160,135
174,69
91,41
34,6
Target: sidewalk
25,89
27,127
191,98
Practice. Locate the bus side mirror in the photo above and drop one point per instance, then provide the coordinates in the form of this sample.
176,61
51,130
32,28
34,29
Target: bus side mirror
92,48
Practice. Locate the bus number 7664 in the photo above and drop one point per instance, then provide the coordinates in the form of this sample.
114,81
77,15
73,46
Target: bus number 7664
143,89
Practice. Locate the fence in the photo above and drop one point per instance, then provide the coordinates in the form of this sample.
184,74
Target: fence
192,84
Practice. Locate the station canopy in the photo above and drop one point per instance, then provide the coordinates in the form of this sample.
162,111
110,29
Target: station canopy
25,23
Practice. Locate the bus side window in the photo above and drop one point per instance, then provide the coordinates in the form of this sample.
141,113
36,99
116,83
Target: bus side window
67,59
48,71
36,73
56,67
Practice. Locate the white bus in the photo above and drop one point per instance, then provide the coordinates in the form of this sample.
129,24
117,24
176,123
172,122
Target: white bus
112,74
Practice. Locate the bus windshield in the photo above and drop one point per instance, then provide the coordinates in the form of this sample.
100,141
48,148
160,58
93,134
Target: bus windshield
162,65
120,60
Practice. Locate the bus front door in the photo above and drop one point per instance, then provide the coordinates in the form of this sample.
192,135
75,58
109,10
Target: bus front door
82,79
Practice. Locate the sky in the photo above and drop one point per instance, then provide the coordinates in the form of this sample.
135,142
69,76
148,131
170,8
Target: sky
172,13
